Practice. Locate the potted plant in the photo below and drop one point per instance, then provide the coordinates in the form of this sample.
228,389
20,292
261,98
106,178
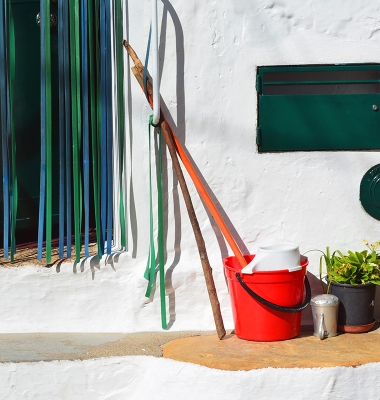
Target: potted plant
352,278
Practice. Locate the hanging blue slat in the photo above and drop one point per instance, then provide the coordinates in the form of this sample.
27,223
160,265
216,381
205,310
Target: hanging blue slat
11,142
43,133
86,128
109,129
103,101
4,133
61,130
67,123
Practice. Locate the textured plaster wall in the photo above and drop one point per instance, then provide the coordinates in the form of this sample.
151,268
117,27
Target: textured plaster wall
209,53
141,377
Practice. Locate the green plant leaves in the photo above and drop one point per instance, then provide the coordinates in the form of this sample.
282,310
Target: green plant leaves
352,268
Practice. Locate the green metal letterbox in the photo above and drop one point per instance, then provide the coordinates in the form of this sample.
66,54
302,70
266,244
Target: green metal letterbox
309,108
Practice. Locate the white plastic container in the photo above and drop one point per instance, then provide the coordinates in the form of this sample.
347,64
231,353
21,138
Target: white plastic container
276,257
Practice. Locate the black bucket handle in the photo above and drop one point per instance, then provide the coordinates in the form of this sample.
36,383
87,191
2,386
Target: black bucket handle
275,306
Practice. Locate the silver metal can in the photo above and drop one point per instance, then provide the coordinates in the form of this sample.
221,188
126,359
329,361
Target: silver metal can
325,315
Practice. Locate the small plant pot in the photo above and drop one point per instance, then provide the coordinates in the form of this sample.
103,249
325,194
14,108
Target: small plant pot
357,304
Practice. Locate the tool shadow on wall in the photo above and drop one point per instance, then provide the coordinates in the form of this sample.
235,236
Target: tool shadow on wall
180,130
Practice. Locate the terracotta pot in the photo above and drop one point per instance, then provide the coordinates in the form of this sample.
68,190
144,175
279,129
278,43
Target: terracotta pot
355,329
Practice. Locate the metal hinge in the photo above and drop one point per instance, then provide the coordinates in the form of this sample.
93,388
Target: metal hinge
258,136
258,84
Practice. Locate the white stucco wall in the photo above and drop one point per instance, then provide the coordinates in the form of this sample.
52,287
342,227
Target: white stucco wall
210,51
94,297
311,198
209,54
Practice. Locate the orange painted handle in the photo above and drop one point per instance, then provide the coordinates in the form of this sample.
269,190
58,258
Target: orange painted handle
206,198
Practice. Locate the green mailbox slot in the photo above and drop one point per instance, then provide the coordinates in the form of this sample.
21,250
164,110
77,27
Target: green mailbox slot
308,108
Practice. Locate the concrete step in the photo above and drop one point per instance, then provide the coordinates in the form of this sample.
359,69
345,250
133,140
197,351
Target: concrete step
31,347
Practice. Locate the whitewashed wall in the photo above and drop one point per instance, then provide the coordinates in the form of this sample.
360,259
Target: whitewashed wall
209,54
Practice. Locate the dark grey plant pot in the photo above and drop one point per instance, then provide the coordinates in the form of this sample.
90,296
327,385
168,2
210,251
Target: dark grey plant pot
357,303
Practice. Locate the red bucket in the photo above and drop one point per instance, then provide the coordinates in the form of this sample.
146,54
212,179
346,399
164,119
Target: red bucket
266,305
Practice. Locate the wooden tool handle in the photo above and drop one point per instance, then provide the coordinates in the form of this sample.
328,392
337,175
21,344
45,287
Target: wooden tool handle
207,270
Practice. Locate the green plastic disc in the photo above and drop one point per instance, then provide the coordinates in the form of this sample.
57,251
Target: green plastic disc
370,192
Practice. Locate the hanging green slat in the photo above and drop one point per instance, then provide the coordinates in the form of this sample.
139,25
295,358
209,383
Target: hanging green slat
86,122
103,99
98,36
66,32
151,265
109,129
94,121
61,87
161,246
79,198
120,91
74,42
